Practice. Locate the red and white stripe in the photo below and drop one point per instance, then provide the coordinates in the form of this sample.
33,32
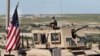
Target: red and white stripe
13,39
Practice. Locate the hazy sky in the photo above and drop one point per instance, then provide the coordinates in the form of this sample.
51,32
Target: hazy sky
52,6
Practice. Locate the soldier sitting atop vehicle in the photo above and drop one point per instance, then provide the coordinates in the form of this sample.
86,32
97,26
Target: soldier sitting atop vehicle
53,23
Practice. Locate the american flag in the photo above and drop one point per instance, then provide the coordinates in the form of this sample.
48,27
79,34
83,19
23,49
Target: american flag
13,39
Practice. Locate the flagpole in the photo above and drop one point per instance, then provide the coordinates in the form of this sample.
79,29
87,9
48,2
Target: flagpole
8,17
8,14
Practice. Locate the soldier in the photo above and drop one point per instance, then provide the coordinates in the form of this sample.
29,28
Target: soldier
53,23
74,35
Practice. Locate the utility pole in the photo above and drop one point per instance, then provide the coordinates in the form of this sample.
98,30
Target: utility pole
7,13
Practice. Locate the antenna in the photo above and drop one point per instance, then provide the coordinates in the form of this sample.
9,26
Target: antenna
61,9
